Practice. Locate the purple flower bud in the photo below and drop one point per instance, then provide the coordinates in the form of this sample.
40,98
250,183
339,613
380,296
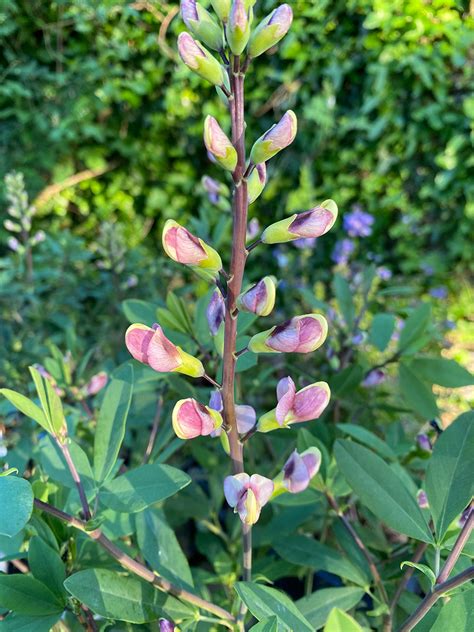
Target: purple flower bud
38,237
14,244
253,229
215,401
275,139
260,298
247,495
424,442
166,626
384,273
271,30
358,338
374,378
422,499
358,223
215,312
439,292
342,251
189,12
300,334
426,268
200,60
201,23
300,469
238,27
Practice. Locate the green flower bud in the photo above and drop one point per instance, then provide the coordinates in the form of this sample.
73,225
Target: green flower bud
314,223
277,138
201,23
238,28
218,144
222,8
271,30
256,182
198,59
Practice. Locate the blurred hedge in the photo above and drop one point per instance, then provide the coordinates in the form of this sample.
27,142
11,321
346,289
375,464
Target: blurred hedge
382,88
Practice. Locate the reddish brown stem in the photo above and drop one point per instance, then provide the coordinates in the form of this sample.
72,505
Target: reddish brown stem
76,478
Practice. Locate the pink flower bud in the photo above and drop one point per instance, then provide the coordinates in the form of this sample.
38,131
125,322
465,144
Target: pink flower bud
300,469
189,51
260,298
183,247
238,28
215,312
300,334
149,345
277,138
198,59
192,419
96,383
310,224
271,30
247,495
295,407
422,499
218,144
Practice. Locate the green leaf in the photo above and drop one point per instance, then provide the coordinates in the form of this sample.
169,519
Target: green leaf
368,438
447,373
318,606
304,551
415,326
449,482
26,595
114,596
381,330
457,615
339,621
27,407
139,488
53,462
347,380
380,489
46,565
50,402
137,311
111,423
423,568
343,294
269,624
416,393
16,502
264,602
161,549
23,623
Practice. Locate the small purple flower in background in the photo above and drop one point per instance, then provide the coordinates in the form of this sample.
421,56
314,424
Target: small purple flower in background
358,338
305,242
342,251
374,378
424,442
212,188
449,324
253,229
358,223
384,273
422,499
245,415
38,237
215,312
439,292
14,244
427,269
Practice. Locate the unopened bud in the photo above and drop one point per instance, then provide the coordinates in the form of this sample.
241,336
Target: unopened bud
300,334
215,312
198,59
271,30
201,23
299,470
192,419
275,139
260,298
183,247
256,182
222,8
238,27
219,145
314,223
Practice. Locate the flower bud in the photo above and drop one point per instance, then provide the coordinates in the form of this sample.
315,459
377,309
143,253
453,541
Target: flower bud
299,470
201,23
256,182
253,228
222,8
300,334
14,244
295,407
374,378
213,189
215,312
247,495
271,30
38,237
13,227
422,499
424,442
198,59
192,419
275,139
149,345
97,383
314,223
218,145
259,299
238,27
183,247
167,626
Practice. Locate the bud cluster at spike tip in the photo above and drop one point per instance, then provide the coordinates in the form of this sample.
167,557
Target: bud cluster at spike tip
260,298
300,334
238,27
192,419
275,139
222,8
313,223
219,145
183,247
295,406
150,346
199,60
201,24
247,495
271,30
298,471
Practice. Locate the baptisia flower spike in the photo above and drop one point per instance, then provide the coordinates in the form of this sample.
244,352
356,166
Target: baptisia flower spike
300,334
201,23
247,495
277,138
298,471
295,407
198,59
218,145
260,298
183,247
238,28
271,30
192,419
150,346
314,223
256,182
